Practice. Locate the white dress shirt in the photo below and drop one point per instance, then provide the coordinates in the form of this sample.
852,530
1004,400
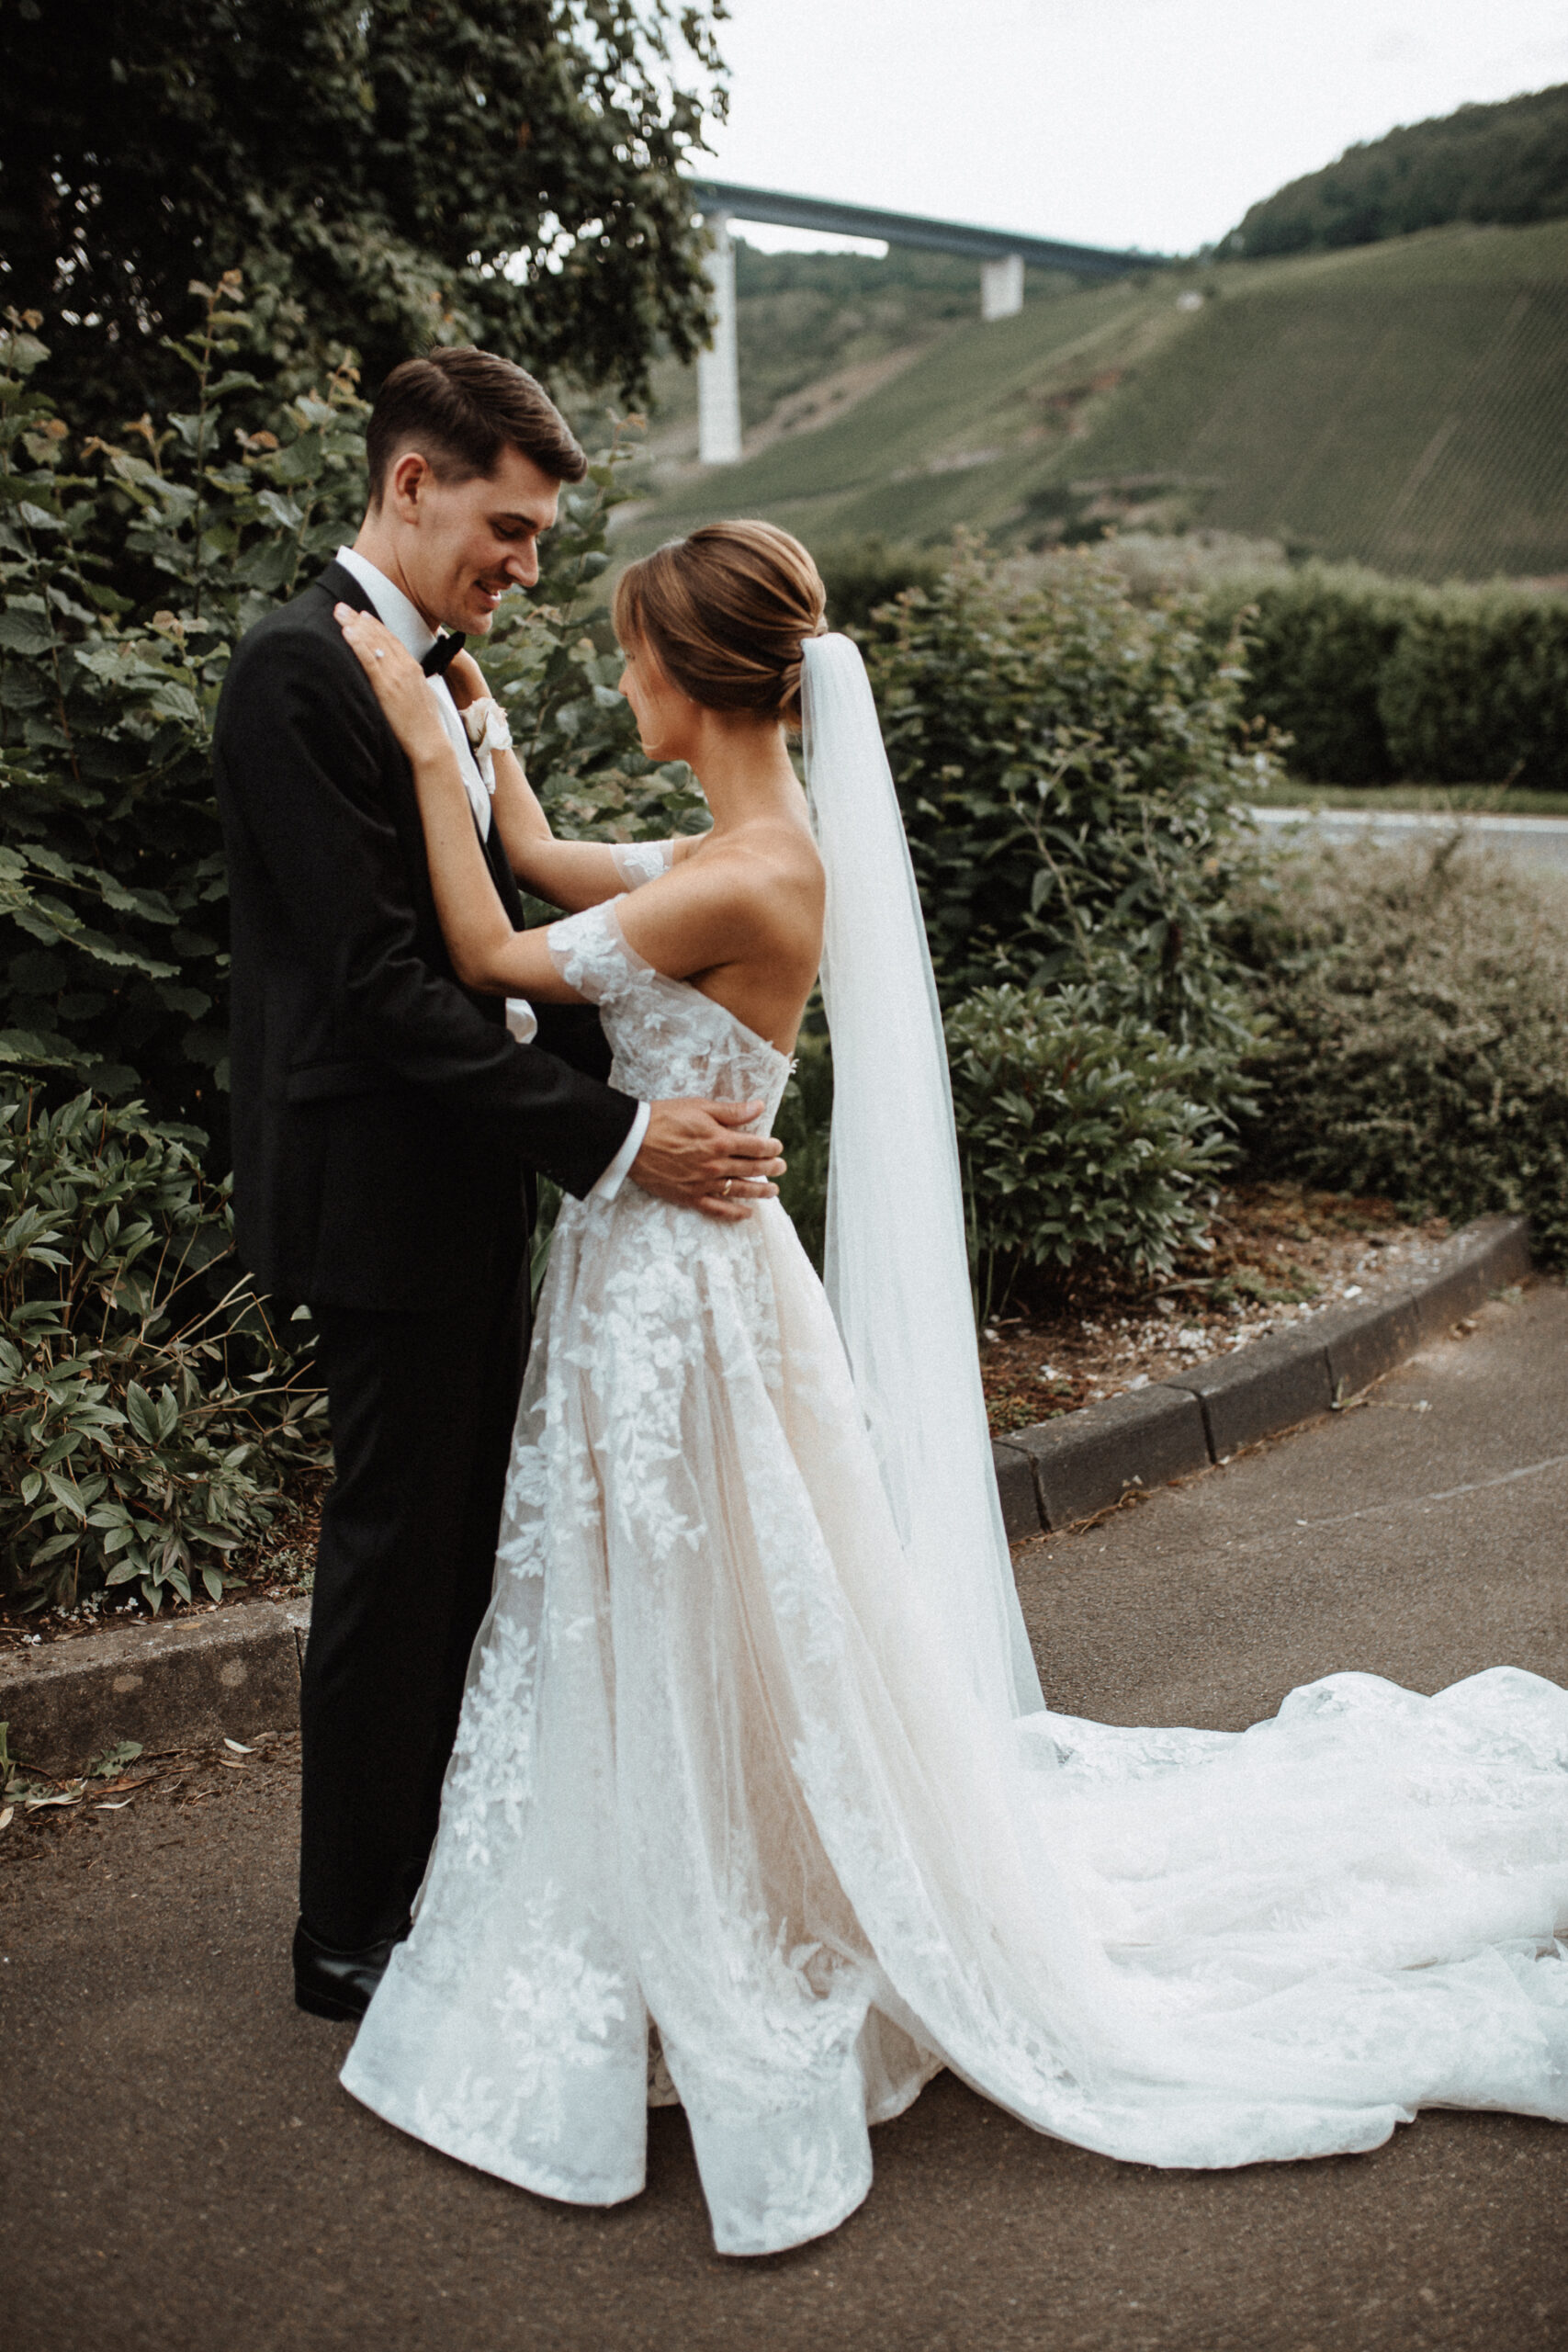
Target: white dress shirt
407,624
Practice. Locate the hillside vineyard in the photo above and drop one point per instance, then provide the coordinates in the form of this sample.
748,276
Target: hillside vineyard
1405,404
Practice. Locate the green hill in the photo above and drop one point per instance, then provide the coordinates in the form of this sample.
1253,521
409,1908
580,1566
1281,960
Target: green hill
1506,163
1404,403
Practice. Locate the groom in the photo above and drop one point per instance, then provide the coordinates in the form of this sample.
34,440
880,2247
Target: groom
389,1125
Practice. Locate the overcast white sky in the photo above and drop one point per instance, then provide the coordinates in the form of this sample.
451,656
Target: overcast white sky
1114,122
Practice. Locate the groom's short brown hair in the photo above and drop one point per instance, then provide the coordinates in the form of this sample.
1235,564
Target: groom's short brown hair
460,408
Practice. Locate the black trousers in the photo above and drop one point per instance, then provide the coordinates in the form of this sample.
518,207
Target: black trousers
422,1409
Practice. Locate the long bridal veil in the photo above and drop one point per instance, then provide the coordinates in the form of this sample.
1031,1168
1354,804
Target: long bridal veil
1181,1946
896,1268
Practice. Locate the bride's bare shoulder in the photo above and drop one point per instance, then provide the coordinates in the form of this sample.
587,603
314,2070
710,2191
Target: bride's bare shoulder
775,880
754,896
765,861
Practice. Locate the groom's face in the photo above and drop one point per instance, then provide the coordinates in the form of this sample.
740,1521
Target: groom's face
465,544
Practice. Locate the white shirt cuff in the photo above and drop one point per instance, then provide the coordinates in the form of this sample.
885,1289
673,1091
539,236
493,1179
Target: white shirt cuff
616,1175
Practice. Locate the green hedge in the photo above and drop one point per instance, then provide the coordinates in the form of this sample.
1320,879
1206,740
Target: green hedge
1078,1138
861,575
1416,1023
1318,642
1377,681
1475,689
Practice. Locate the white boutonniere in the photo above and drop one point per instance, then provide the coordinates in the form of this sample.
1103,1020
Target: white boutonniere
484,722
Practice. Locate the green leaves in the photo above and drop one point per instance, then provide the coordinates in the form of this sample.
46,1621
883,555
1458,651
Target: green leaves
147,1411
1080,1138
109,835
22,631
154,1423
504,171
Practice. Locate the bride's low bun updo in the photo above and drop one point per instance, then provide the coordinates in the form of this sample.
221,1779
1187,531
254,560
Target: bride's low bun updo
726,613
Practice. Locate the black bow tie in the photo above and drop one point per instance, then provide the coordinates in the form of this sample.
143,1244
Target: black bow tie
443,653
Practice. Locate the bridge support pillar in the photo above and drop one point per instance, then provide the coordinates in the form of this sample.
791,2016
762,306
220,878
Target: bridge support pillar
1001,287
718,375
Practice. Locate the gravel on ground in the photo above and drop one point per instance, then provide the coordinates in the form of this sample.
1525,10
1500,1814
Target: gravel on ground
1276,1254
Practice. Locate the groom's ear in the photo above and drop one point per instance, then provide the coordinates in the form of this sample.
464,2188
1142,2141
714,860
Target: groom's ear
405,485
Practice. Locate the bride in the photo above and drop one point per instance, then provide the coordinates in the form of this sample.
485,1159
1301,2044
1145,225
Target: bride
754,1780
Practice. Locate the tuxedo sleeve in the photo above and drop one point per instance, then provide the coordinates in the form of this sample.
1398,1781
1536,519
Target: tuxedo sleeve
302,753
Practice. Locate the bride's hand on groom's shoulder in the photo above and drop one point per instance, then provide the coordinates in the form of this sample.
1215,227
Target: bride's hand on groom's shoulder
692,1156
399,684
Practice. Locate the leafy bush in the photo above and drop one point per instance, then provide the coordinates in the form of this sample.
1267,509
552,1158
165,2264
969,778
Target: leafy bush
1475,688
1077,1137
1068,765
1417,1018
129,567
148,1408
1318,642
503,171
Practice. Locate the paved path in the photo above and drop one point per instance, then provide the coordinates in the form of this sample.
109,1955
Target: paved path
1538,843
182,2173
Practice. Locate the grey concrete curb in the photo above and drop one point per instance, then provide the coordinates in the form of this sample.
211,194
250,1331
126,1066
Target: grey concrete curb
237,1671
1066,1469
182,1682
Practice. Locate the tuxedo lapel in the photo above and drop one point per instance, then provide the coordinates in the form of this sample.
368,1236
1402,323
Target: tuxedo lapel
344,588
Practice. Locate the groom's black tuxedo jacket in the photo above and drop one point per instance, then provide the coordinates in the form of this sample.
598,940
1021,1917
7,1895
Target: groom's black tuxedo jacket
385,1122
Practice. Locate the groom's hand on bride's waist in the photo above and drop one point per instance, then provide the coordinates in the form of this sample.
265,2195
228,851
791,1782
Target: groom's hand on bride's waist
693,1155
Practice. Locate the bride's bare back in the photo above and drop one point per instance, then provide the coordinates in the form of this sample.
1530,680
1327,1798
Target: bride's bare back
740,917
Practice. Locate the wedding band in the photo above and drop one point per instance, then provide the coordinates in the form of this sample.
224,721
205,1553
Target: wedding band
729,1187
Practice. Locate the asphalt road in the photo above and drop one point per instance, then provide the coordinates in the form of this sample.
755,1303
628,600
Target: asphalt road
181,2170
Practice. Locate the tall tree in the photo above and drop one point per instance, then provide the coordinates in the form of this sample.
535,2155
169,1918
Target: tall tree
396,172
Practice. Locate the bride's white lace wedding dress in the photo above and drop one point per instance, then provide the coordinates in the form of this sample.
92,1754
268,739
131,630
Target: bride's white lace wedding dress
719,1769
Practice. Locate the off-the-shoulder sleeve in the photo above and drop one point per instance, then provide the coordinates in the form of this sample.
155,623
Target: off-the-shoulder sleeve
591,954
640,862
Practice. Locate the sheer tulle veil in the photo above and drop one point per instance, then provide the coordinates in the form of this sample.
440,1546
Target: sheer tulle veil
896,1268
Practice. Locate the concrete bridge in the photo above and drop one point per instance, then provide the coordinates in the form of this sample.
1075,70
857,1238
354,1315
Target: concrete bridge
1002,254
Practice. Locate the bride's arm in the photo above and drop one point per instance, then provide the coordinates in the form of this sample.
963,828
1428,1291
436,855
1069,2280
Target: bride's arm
486,953
569,874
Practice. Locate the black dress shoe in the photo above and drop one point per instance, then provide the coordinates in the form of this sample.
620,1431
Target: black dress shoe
338,1984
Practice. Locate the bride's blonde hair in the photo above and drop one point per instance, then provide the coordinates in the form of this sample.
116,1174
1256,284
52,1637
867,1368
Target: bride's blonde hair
726,613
